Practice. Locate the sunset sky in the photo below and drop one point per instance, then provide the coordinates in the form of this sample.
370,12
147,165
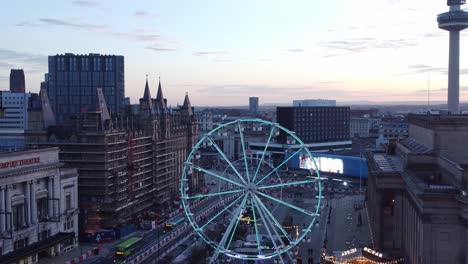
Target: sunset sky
221,52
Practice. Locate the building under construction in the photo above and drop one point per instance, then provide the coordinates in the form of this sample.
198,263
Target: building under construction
129,165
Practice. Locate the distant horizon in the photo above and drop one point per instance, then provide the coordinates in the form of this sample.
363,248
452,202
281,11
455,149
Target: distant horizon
351,103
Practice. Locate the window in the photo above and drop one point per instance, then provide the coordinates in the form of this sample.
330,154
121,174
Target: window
18,220
43,234
42,209
20,243
68,203
68,225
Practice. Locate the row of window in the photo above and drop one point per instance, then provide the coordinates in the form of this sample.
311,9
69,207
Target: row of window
74,63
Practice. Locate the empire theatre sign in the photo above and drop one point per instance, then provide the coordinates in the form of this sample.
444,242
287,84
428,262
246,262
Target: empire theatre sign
19,163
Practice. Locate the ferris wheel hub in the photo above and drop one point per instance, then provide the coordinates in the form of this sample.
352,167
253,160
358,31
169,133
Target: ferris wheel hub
251,187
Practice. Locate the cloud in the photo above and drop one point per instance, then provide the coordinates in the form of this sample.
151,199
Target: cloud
160,49
84,3
26,24
434,34
295,50
439,90
208,53
148,37
24,57
424,68
241,89
367,43
6,65
59,22
143,14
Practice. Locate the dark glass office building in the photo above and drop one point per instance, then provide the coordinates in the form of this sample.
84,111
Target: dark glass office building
315,124
17,83
72,81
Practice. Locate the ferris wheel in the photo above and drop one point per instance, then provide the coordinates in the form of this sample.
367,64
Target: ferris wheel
252,208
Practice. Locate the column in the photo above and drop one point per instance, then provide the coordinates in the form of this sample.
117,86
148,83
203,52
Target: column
2,210
33,202
9,224
27,204
50,195
454,73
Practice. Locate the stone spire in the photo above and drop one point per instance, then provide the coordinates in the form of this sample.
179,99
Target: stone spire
147,100
147,94
161,104
187,107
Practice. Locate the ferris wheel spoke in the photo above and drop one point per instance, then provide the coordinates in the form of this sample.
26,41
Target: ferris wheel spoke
211,194
263,153
279,166
286,184
214,174
257,237
221,212
265,210
226,159
265,220
302,210
243,151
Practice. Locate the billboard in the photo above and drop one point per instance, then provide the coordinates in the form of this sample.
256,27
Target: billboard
324,164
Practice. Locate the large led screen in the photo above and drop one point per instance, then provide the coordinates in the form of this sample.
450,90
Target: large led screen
323,164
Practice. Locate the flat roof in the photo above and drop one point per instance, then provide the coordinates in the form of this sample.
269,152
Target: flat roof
388,163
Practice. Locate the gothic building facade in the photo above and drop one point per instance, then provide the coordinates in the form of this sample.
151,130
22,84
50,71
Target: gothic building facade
129,165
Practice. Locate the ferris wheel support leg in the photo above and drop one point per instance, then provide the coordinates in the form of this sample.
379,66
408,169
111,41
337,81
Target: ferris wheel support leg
269,231
234,220
265,210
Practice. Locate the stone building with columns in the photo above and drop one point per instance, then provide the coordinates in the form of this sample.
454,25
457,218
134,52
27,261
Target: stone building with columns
417,192
38,206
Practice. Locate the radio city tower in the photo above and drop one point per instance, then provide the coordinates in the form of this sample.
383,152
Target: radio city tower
454,21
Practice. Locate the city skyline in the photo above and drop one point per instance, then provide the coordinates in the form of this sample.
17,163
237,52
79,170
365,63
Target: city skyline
221,53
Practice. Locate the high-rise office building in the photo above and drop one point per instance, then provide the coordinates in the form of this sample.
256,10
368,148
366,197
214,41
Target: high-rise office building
72,81
315,124
253,104
13,120
17,83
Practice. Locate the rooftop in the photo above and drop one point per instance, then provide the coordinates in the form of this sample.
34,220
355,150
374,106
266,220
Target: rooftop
388,163
415,147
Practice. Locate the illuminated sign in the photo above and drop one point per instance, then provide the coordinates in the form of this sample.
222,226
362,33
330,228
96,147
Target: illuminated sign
18,163
323,164
119,253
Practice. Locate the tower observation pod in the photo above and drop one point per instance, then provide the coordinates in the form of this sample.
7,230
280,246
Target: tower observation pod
454,21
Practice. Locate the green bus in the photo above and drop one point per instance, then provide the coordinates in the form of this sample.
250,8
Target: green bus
125,249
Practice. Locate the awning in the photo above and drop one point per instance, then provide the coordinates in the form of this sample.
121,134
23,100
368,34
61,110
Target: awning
35,247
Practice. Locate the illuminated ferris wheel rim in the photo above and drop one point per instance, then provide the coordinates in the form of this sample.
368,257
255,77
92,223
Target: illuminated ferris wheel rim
250,188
